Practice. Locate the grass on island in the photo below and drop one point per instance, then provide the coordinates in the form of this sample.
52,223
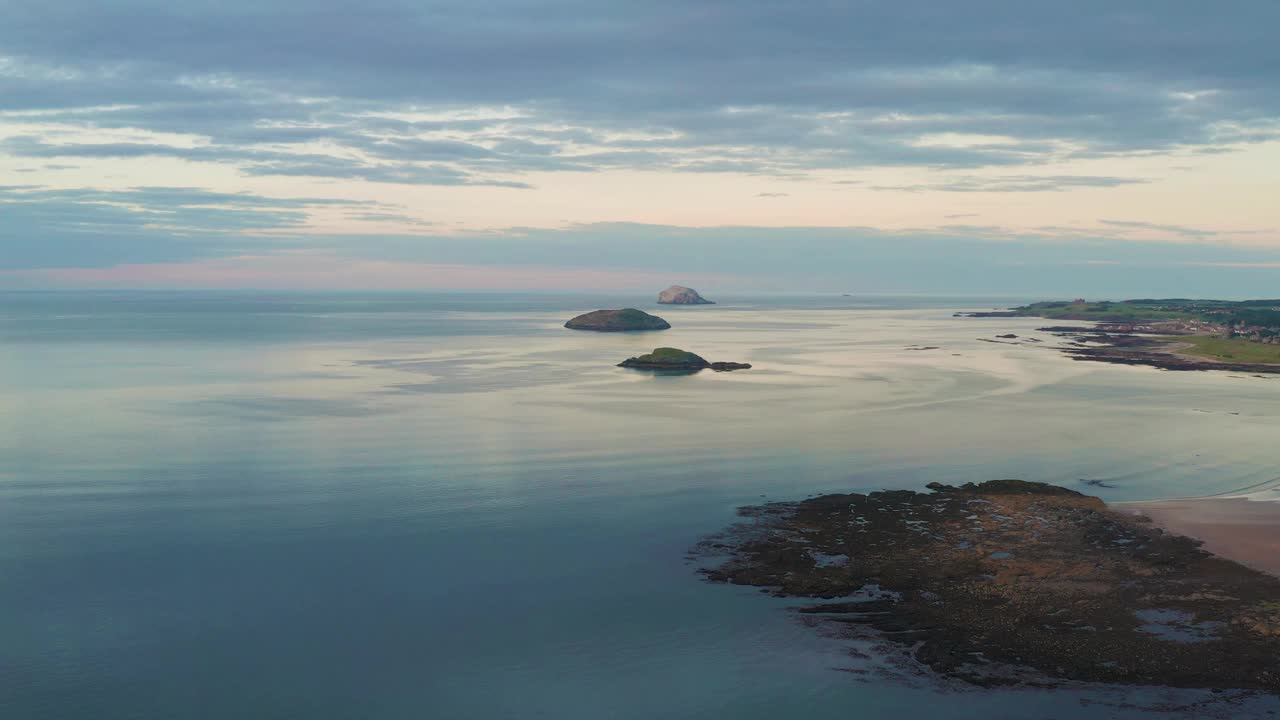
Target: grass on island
671,355
632,315
1231,349
1102,311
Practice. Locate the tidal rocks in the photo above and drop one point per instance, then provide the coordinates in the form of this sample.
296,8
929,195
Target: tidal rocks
681,295
1125,348
625,320
1010,582
677,360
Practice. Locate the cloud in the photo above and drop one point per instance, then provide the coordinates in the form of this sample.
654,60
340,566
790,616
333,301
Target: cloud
261,162
738,258
1255,265
48,227
1017,183
103,228
487,94
327,271
987,96
1180,230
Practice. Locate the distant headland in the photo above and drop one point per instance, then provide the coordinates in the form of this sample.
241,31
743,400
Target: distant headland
1173,334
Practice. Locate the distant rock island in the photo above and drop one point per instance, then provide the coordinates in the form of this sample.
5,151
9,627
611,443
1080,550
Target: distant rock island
675,359
681,295
625,320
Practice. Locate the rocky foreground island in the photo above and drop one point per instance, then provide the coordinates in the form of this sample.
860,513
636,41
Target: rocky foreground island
681,295
625,320
677,360
1012,582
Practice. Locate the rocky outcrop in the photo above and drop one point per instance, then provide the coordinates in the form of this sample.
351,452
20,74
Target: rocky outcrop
675,359
666,359
625,320
681,295
1010,581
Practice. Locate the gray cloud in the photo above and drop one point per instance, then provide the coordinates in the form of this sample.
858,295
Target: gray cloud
84,227
1181,230
253,161
80,231
747,86
439,92
1017,183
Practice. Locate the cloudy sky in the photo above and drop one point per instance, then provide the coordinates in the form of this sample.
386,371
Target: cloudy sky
986,146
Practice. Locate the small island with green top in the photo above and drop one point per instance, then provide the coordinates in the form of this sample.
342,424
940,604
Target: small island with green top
677,360
1173,334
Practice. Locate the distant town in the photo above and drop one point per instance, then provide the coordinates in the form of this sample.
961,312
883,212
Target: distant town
1253,320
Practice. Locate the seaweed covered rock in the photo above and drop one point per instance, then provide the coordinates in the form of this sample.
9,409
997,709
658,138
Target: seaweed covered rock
1010,581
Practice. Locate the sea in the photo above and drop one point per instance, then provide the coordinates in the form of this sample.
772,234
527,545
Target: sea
376,506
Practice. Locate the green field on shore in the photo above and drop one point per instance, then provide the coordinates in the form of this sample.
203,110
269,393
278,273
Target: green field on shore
1231,349
1265,313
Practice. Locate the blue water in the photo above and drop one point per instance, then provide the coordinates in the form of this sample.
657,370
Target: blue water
305,505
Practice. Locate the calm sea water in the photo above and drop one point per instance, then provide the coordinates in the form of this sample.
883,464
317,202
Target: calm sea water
447,506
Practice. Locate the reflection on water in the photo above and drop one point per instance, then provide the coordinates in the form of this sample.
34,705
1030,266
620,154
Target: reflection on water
397,505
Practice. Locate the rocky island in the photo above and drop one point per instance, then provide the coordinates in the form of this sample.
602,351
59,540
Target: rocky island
676,360
681,295
1013,582
625,320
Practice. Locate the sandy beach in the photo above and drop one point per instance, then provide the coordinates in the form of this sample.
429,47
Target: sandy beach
1241,529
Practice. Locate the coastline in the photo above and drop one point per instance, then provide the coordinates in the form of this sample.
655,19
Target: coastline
1126,347
1235,528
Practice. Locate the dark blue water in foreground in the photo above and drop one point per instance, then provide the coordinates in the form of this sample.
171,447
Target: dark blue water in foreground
447,506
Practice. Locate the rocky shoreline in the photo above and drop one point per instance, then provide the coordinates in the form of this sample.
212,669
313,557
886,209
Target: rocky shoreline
1152,333
1012,582
1125,347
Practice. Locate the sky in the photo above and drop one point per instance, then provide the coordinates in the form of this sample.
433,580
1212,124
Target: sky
1093,147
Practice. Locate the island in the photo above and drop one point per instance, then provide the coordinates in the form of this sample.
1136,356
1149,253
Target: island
677,360
625,320
1012,582
1173,334
681,295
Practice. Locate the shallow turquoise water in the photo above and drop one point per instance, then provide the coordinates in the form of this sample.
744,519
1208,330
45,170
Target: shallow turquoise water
447,506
